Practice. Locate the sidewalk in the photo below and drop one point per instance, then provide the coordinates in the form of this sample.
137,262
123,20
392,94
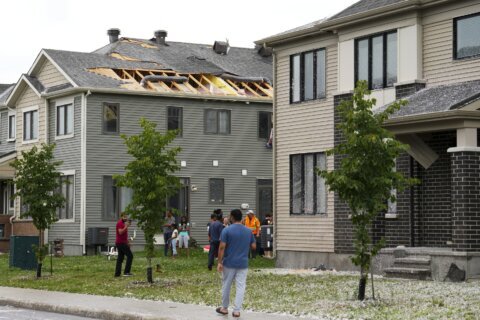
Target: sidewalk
113,308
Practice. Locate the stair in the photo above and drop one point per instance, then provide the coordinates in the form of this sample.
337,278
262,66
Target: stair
410,267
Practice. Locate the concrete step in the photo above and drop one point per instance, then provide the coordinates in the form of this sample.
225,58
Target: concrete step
412,262
409,273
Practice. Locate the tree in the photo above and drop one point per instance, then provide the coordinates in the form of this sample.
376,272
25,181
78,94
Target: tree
366,177
37,183
150,176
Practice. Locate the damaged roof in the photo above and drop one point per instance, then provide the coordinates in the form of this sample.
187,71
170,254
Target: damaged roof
439,99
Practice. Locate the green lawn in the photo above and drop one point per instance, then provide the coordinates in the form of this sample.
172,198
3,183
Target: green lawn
323,294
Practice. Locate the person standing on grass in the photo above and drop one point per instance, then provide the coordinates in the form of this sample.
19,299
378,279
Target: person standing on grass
235,242
253,224
123,247
173,240
214,232
184,234
167,231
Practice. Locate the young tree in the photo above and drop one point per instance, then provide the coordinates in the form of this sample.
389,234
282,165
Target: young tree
37,182
150,176
366,176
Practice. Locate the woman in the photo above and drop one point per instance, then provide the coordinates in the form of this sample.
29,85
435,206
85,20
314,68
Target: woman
184,234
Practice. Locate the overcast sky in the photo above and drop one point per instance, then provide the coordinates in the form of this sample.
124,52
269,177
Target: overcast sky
27,26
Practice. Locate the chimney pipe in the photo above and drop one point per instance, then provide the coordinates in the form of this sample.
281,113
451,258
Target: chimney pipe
113,34
160,36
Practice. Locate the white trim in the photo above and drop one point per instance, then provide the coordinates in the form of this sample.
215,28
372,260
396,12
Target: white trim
390,216
60,69
29,141
463,149
83,171
27,109
64,101
69,173
44,55
65,136
10,114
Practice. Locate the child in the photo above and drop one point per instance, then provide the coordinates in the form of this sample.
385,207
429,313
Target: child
173,239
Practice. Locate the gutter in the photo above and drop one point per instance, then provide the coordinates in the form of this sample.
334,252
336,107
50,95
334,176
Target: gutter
433,117
155,94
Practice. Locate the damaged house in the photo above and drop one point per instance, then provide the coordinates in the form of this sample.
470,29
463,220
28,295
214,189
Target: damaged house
220,97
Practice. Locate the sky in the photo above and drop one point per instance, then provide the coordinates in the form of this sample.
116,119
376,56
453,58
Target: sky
27,26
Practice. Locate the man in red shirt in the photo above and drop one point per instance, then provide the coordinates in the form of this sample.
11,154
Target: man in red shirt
123,247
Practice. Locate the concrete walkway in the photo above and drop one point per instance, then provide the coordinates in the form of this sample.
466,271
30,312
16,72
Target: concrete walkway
113,308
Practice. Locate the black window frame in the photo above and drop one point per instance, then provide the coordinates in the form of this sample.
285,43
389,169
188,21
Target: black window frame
10,131
69,181
455,43
302,75
180,119
315,184
2,231
32,136
229,112
269,125
65,119
104,125
116,201
210,191
385,58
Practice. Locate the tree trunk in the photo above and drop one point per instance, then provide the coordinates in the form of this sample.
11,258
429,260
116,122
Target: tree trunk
149,271
361,286
39,270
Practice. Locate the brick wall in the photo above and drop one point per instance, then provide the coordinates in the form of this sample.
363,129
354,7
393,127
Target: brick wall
466,201
406,90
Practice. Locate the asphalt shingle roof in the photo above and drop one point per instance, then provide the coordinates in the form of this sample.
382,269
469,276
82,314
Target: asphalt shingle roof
5,90
363,6
439,99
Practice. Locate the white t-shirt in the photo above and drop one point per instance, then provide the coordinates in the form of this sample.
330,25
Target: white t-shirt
175,234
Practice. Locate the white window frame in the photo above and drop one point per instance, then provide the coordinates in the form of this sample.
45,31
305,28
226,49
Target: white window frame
25,110
9,195
61,103
12,113
69,173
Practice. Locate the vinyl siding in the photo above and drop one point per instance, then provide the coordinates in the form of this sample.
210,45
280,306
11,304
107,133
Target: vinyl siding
29,99
302,128
5,146
439,65
49,75
106,154
68,151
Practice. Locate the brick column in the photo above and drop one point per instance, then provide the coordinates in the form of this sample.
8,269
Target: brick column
465,199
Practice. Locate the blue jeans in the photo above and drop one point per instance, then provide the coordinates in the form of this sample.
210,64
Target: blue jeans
166,235
240,277
174,247
213,252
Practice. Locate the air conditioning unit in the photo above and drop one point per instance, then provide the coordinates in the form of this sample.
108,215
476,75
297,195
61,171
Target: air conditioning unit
97,236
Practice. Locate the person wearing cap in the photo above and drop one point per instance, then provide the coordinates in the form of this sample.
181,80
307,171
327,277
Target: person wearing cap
253,224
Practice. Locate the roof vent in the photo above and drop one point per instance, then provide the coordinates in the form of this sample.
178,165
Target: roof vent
160,36
263,50
113,34
221,47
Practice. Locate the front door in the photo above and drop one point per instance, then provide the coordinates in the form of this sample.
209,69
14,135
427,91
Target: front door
264,198
181,200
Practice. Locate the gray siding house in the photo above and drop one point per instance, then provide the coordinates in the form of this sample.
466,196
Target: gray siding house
219,96
424,51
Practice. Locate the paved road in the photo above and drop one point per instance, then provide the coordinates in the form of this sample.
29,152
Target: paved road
11,313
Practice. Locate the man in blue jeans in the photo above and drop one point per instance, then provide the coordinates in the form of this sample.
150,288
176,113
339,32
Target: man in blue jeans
235,242
167,232
214,232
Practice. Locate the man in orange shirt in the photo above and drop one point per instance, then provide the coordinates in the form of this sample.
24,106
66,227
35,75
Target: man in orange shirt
253,224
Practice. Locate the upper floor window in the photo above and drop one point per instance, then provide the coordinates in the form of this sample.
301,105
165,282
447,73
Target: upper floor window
217,121
115,199
466,39
175,119
64,120
12,127
66,190
30,125
111,117
264,124
216,190
376,60
307,76
307,190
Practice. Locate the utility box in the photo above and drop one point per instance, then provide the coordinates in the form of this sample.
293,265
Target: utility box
21,252
97,236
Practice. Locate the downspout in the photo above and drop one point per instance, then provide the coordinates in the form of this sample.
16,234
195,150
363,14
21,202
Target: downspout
83,173
47,140
13,217
412,206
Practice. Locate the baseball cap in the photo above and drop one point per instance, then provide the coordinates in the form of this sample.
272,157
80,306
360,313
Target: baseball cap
250,211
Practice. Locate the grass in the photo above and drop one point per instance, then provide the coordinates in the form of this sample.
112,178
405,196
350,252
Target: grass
322,294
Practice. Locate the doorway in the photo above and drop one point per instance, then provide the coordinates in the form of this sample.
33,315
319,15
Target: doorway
264,198
181,200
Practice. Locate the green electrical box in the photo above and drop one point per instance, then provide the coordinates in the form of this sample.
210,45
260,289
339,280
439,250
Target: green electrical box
21,252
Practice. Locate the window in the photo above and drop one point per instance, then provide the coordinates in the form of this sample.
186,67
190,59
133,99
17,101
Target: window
307,189
111,118
11,193
307,76
217,121
115,199
376,60
264,124
64,120
466,40
67,191
2,231
216,187
175,119
30,125
11,126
